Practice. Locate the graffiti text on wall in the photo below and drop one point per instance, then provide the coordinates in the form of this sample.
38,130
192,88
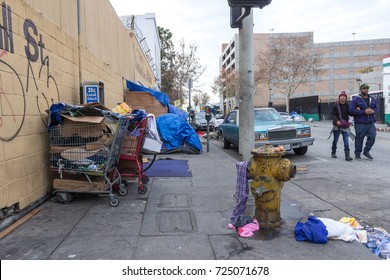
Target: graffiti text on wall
15,95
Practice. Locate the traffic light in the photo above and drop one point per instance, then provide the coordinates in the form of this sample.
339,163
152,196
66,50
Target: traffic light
249,3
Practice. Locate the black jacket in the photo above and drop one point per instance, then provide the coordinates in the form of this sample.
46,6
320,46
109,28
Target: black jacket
344,108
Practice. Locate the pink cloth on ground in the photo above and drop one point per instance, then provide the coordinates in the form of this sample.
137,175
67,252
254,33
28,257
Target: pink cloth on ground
254,226
244,232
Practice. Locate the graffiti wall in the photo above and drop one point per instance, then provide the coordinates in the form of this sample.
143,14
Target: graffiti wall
43,61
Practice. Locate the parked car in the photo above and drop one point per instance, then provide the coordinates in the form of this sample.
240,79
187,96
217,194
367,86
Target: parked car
269,128
200,123
286,116
293,117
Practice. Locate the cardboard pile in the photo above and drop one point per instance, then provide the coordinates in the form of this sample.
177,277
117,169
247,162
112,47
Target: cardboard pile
145,101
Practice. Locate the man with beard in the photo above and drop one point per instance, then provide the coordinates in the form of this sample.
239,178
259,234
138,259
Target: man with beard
363,108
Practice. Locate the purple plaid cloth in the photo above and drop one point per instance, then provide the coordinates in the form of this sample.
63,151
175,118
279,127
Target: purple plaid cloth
242,189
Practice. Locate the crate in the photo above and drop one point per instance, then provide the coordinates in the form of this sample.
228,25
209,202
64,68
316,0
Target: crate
79,185
145,101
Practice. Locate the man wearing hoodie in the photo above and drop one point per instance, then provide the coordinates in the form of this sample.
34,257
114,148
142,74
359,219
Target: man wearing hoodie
363,108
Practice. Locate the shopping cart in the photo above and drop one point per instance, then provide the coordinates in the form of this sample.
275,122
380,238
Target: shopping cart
131,158
86,156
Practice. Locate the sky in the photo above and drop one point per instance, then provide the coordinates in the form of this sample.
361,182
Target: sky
207,23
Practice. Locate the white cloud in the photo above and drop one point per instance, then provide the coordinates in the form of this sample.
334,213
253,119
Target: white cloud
207,22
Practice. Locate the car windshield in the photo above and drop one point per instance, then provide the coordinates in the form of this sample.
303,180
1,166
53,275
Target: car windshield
267,115
202,116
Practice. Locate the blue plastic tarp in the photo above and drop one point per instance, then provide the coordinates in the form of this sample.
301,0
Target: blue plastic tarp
175,132
176,111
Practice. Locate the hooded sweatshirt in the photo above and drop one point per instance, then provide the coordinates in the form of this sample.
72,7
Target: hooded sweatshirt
359,105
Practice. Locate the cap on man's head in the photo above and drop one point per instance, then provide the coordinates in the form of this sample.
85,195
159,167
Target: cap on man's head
364,86
343,94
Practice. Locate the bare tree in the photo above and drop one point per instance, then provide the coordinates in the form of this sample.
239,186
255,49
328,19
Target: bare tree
226,85
289,62
186,64
178,66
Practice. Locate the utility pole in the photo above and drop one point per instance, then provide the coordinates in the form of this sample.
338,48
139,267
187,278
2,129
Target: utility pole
246,88
241,17
189,93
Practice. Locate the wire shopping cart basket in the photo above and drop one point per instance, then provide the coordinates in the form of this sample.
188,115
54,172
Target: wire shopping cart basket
86,156
131,158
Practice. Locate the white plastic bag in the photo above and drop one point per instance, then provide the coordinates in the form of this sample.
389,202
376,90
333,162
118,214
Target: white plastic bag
338,230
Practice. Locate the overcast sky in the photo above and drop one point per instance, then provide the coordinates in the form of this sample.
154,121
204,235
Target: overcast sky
207,22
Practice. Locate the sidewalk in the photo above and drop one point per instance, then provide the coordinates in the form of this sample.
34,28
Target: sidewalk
179,218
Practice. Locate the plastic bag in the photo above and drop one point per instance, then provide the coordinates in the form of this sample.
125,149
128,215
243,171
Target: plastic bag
338,230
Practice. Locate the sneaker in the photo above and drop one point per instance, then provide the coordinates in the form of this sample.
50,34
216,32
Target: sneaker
357,157
367,154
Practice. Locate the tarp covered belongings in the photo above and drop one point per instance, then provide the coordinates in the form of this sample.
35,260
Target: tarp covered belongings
160,96
176,132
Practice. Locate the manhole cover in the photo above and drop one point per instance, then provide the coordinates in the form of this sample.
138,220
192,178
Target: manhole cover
177,221
174,201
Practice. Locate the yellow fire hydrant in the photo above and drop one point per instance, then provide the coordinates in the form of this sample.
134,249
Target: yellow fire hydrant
269,171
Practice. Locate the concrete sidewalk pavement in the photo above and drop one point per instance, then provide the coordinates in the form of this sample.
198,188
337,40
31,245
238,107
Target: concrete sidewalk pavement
179,218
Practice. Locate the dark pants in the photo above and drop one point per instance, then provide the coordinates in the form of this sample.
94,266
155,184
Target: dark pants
364,130
336,135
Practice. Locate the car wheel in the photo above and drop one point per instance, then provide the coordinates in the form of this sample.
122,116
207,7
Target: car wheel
300,151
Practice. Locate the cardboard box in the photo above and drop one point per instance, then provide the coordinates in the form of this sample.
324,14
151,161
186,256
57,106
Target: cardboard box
151,145
144,101
79,185
88,126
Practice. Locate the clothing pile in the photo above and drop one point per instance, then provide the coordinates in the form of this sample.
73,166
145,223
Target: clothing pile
320,230
245,225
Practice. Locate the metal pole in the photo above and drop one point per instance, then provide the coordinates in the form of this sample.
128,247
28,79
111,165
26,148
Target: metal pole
246,89
208,133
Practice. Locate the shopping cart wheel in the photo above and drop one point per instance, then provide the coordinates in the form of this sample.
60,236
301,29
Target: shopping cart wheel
142,189
122,190
64,197
145,179
114,201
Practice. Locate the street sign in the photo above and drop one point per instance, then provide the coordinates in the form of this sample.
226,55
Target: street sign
91,93
249,3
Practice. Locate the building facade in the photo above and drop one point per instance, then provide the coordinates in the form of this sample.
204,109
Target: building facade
345,65
47,50
145,28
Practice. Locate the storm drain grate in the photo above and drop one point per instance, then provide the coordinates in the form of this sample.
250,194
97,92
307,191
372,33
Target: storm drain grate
171,221
174,201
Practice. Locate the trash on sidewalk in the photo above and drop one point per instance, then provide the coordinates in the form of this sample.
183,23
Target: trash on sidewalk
313,231
245,225
339,230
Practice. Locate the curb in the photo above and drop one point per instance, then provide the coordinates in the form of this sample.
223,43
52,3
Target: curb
383,129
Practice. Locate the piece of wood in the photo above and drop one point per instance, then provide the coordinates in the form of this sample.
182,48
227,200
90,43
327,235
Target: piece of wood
19,222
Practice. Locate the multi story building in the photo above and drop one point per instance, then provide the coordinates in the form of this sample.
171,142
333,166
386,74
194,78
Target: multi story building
346,64
145,28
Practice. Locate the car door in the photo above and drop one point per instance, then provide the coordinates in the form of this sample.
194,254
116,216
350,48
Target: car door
230,131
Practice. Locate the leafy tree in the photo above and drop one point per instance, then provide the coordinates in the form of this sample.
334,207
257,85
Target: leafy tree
167,56
289,62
